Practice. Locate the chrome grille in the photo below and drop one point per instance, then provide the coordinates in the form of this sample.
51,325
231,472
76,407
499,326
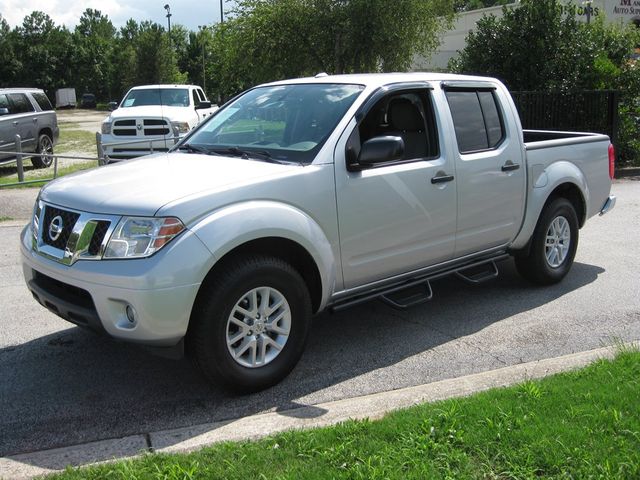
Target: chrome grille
74,236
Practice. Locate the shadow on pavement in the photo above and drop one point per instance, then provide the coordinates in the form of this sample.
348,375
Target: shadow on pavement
73,386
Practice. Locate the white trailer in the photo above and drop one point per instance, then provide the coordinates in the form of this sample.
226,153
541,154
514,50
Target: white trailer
66,97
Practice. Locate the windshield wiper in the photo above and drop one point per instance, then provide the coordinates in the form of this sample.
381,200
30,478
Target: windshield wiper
250,154
193,149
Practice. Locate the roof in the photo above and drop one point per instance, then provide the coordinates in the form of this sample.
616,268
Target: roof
380,79
163,86
20,89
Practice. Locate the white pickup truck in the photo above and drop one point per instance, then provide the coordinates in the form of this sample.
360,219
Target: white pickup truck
305,195
151,118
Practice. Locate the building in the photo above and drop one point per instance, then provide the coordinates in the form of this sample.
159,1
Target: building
452,41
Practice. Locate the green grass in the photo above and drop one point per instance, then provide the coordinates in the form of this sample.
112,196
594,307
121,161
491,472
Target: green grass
583,424
8,173
5,219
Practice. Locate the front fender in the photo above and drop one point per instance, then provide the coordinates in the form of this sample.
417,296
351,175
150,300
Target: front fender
237,224
543,183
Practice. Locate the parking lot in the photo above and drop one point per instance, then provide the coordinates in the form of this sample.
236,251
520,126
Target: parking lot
62,385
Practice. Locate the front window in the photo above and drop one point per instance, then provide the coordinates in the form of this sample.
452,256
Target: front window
171,97
286,123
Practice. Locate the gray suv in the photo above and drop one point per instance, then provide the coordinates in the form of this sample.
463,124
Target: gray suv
27,112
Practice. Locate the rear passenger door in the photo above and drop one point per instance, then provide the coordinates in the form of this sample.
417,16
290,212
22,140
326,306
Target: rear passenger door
7,130
24,119
490,170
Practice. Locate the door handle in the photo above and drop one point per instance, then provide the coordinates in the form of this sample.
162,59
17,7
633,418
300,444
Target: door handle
16,122
442,179
510,166
35,120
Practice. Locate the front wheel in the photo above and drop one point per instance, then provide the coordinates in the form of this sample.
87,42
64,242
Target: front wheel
553,245
45,149
250,323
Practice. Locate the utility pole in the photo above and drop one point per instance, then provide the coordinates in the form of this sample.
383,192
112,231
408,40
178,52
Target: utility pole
221,12
204,78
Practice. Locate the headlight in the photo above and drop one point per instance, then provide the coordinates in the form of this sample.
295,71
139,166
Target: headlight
106,128
137,237
180,127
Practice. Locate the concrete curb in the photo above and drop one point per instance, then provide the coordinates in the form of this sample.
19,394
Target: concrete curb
253,427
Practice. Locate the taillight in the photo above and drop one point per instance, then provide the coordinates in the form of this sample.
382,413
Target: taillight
612,161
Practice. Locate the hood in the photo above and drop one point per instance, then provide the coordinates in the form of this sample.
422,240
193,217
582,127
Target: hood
142,185
151,111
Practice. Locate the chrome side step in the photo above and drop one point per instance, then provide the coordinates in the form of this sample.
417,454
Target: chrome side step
418,290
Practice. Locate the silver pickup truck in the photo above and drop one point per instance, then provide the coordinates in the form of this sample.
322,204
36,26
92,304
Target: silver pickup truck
305,195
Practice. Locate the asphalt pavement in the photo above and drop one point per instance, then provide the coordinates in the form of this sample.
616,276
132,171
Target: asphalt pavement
61,385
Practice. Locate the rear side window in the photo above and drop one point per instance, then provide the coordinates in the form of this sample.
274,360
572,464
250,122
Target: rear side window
4,101
19,103
476,119
42,101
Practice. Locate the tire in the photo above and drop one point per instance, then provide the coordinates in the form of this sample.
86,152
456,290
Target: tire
229,324
44,147
546,264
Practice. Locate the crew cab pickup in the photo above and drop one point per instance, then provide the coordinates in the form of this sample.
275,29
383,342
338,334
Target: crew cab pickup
151,118
305,195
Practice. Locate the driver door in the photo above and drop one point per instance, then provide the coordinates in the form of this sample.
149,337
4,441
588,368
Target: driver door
398,216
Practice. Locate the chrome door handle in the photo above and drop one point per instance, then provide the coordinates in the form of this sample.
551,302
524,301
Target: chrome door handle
16,122
35,120
510,166
442,179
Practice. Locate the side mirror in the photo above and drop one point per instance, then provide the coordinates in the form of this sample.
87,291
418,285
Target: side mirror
113,105
201,105
4,111
381,150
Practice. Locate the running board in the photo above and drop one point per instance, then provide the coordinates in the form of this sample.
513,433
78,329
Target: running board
407,293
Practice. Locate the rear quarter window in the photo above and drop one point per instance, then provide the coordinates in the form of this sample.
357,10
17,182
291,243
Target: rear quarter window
42,101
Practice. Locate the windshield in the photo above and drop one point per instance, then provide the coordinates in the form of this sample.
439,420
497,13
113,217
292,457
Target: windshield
285,122
171,97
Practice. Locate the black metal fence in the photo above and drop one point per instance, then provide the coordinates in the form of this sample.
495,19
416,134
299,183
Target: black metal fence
583,111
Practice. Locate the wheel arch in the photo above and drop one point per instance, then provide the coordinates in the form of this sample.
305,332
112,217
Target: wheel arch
560,179
286,249
275,229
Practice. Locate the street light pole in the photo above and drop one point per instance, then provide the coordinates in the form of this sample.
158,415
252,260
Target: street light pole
168,9
221,12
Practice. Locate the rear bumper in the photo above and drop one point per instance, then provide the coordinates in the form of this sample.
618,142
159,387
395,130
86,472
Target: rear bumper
608,205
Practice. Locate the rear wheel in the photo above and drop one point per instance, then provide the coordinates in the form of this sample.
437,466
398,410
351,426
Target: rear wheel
553,245
44,148
250,323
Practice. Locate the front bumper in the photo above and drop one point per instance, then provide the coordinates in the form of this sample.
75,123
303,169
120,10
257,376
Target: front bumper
160,289
609,203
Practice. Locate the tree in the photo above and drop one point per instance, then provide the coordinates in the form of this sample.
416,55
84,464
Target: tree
156,60
272,39
93,39
44,50
9,63
536,47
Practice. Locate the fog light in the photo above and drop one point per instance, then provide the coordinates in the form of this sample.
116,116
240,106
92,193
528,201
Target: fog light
131,314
